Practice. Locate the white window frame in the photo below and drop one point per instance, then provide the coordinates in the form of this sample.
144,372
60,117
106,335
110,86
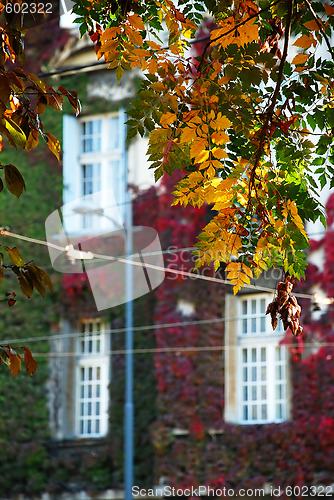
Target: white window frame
92,397
262,379
108,162
111,161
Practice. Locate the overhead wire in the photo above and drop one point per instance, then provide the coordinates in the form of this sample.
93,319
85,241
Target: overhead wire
147,265
175,349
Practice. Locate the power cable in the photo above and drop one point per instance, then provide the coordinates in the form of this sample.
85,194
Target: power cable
147,265
176,350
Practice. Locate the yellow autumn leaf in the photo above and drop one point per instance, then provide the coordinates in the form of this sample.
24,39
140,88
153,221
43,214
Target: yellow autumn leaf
167,119
197,147
239,275
291,205
194,178
219,153
158,86
221,122
248,33
188,134
211,172
300,59
223,80
202,156
220,137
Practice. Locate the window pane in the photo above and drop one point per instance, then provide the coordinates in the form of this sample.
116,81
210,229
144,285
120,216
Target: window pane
92,383
91,136
254,412
263,392
114,134
253,325
244,307
263,373
254,374
279,411
253,306
264,412
254,393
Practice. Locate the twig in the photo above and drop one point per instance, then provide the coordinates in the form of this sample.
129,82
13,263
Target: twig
271,108
319,23
234,29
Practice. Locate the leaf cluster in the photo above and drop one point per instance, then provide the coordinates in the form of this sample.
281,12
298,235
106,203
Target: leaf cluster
249,120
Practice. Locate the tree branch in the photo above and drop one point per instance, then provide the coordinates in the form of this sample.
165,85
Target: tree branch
234,29
328,43
271,108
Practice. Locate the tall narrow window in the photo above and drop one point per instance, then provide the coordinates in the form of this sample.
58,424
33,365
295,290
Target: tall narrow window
92,380
103,166
262,366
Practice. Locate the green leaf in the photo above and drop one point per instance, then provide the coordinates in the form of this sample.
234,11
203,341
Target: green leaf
14,180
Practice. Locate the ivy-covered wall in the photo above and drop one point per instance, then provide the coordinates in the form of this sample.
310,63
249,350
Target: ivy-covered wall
23,412
190,391
175,388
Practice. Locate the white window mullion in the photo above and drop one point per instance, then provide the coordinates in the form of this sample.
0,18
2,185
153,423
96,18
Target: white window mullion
262,373
92,380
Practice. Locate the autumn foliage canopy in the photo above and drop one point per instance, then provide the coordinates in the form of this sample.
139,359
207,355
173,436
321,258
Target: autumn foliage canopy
239,96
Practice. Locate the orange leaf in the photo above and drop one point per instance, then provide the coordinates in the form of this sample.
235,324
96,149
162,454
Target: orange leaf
167,118
305,41
31,364
329,9
136,22
133,36
53,144
15,362
300,59
187,134
312,25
